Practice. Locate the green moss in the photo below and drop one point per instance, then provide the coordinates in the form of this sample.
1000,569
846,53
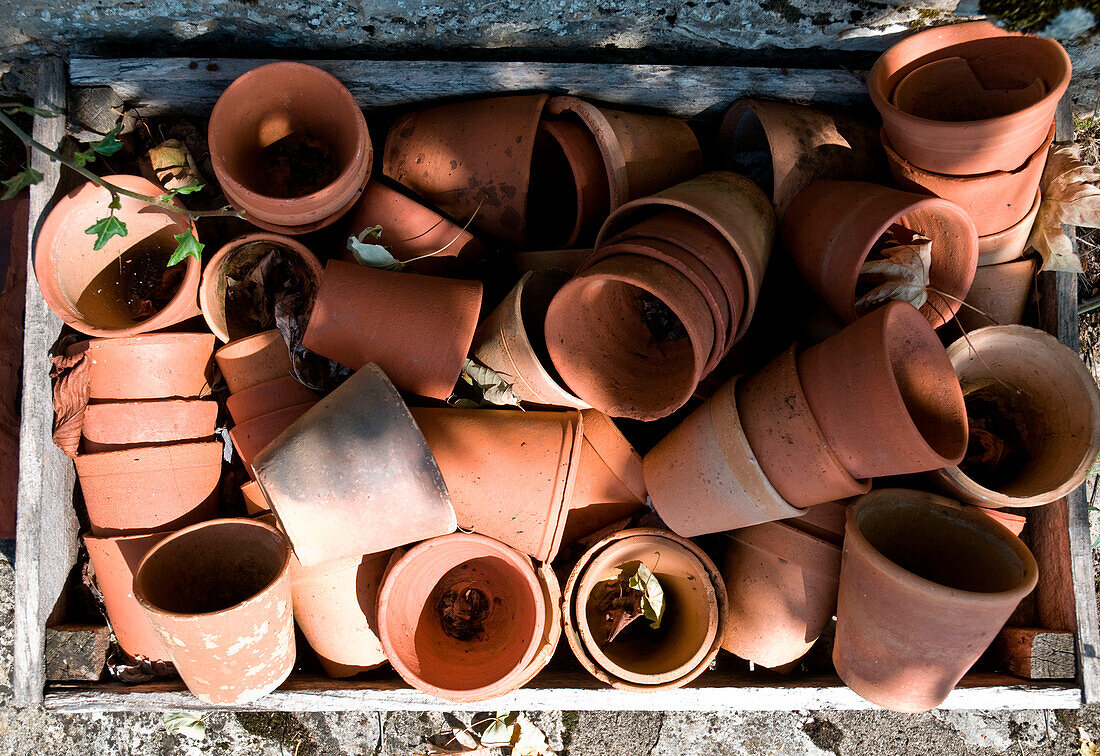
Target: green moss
1032,15
927,17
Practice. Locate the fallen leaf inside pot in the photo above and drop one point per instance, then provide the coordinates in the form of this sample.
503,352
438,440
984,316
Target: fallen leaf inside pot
895,271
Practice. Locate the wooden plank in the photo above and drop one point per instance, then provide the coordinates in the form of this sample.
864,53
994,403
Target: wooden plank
160,85
46,529
77,652
1050,543
1038,654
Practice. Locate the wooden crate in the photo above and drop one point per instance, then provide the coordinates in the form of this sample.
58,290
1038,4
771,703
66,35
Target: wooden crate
47,527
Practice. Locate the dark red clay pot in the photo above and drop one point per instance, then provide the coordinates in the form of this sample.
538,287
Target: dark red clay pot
704,478
82,285
925,586
569,192
786,439
118,424
968,117
456,661
253,360
824,521
785,147
253,435
470,157
267,397
114,561
782,585
218,595
148,366
832,227
411,230
1001,292
273,102
886,376
146,489
232,261
331,494
602,347
641,658
418,329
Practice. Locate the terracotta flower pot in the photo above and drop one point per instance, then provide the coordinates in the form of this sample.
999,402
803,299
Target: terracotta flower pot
139,423
512,475
462,617
354,475
512,341
824,521
642,153
255,503
152,366
290,146
1010,244
600,341
833,226
886,376
785,147
925,586
642,658
781,584
731,205
968,117
995,201
235,260
418,329
411,230
568,260
999,291
114,561
786,439
470,157
148,489
253,435
569,193
335,605
267,397
704,478
551,635
253,360
218,594
1013,522
124,288
1034,414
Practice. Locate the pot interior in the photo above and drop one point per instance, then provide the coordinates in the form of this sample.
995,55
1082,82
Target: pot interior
750,152
553,201
211,568
534,300
941,543
259,279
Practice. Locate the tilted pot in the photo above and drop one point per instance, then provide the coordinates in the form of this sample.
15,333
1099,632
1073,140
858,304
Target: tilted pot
642,658
1034,412
785,147
253,360
281,122
1000,293
704,478
925,586
833,227
353,475
218,595
255,503
886,376
109,292
983,110
462,617
569,192
148,366
118,424
253,435
267,397
417,328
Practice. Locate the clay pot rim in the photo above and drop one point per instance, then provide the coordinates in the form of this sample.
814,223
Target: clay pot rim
551,588
96,342
360,161
968,32
995,499
303,228
144,449
229,350
565,144
151,608
492,548
912,580
72,318
893,157
590,115
570,624
1027,220
209,284
90,536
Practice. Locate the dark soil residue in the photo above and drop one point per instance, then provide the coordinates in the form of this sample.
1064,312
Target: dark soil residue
297,165
662,322
463,610
997,451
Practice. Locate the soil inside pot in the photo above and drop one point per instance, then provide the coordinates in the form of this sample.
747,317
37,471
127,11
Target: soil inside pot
297,165
998,450
462,611
135,286
660,319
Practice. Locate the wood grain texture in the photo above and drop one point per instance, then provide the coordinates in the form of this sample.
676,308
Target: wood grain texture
160,85
46,528
1037,654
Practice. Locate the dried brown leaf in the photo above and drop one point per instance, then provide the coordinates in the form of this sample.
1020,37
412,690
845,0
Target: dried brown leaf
1070,197
902,274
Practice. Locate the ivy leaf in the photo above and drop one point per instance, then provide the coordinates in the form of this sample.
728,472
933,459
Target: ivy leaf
109,144
494,389
903,273
116,203
20,181
105,229
186,246
372,255
83,158
186,723
32,111
190,188
653,595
